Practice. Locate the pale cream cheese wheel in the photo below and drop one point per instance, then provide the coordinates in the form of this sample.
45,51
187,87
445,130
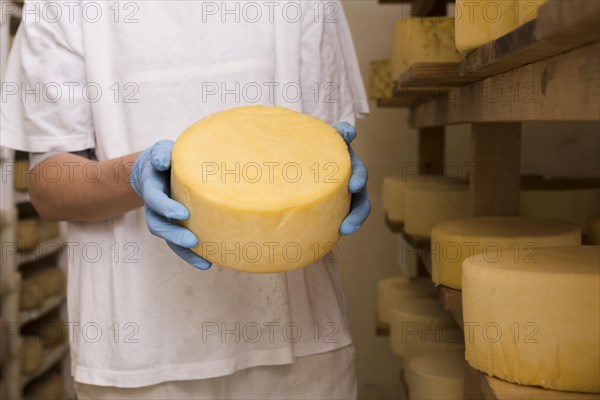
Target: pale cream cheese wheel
447,338
536,323
266,187
428,39
416,318
425,206
454,241
480,22
32,354
439,375
395,291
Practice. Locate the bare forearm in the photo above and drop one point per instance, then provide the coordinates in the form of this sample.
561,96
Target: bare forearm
66,187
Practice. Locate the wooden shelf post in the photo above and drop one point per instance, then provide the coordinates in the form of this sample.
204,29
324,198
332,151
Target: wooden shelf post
431,150
495,169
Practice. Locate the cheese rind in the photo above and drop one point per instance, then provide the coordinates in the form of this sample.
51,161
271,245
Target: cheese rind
454,241
27,234
480,22
266,187
397,290
429,39
380,79
438,375
425,206
416,318
32,354
536,323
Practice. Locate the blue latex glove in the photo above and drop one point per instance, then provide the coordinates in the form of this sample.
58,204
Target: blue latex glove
150,179
360,205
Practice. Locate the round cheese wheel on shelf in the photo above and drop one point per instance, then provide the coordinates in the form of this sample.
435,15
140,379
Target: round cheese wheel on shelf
266,187
454,241
416,318
446,338
428,205
439,375
48,387
51,279
32,294
429,39
394,291
48,230
32,354
536,322
27,234
21,177
593,233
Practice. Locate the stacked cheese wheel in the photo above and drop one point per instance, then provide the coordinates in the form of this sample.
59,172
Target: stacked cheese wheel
266,187
479,22
456,241
380,79
536,322
395,291
428,39
32,354
448,338
416,319
439,375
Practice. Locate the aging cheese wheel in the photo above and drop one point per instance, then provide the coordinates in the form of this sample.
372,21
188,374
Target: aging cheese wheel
479,22
32,294
266,187
425,206
454,241
536,323
394,291
21,177
380,79
48,230
446,338
594,229
416,318
32,354
51,279
428,39
27,234
439,375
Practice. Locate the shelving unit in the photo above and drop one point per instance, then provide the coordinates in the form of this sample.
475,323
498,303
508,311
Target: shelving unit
14,382
546,70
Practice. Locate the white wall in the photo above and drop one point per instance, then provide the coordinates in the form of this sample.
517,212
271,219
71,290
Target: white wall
384,142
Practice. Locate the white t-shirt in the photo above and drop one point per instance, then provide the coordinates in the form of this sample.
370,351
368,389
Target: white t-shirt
119,76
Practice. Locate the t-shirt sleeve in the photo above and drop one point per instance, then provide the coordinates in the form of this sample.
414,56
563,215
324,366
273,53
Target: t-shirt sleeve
45,101
331,81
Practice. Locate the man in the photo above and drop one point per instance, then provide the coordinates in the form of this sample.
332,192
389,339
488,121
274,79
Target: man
115,78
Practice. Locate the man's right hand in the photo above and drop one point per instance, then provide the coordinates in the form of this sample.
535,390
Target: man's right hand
150,180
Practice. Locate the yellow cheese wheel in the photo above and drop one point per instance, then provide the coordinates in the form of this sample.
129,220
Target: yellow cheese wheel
429,39
425,206
395,291
439,375
380,79
27,234
441,339
266,187
416,318
536,323
51,279
32,294
454,241
479,22
21,177
594,229
32,354
48,230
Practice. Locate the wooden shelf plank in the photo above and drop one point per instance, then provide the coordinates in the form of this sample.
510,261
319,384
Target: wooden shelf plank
433,75
561,26
496,389
565,87
424,8
410,97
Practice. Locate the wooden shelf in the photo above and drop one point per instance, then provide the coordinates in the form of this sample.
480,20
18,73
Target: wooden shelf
496,389
561,26
381,329
547,90
452,302
51,357
49,304
440,76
